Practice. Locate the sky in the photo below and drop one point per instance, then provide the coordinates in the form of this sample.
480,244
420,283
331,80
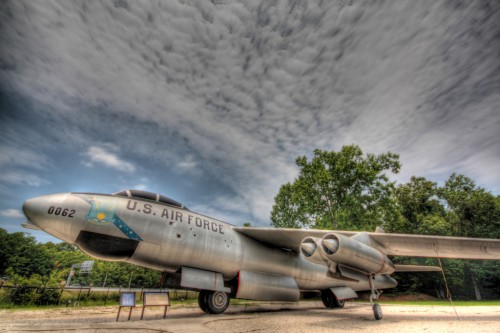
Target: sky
211,102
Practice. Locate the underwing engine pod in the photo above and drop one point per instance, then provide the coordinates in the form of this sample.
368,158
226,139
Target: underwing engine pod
351,253
309,249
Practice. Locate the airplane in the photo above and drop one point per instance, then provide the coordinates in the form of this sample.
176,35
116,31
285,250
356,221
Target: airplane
223,261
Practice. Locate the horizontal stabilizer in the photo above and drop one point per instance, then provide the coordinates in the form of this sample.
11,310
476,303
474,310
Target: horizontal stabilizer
416,268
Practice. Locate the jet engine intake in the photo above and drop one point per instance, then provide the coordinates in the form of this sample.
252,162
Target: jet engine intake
106,247
354,254
309,249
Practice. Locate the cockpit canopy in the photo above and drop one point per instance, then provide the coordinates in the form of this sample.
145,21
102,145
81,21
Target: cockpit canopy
150,196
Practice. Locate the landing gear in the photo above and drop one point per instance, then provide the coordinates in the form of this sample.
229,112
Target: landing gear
202,300
330,300
377,310
213,302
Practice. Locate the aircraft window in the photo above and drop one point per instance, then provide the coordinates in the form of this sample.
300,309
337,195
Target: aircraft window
150,196
122,193
169,201
144,195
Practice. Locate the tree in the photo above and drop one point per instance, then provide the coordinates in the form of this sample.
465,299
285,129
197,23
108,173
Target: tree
421,208
472,211
22,255
287,212
338,190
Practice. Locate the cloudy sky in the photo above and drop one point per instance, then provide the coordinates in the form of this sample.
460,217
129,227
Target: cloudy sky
210,103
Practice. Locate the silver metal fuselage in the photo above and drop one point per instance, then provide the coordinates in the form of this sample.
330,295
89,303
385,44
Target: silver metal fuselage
167,238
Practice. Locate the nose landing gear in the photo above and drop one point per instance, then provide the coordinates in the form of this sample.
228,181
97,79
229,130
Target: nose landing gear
377,309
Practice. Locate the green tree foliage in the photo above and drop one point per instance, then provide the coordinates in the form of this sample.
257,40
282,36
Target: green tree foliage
472,211
459,208
338,190
421,208
28,263
22,255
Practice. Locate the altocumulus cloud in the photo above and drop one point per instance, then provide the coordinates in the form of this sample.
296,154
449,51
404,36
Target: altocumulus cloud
105,156
23,178
229,94
12,213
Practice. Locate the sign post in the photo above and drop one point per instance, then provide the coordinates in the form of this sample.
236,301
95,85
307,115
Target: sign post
127,299
156,299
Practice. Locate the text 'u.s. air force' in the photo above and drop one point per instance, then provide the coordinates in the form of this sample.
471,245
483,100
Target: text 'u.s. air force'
175,216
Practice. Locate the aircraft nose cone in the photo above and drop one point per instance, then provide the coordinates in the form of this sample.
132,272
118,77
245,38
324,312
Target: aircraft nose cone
30,209
37,210
56,214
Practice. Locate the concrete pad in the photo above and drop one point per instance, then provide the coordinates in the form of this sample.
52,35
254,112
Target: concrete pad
307,317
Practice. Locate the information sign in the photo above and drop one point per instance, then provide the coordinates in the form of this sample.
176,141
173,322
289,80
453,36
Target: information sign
127,299
156,299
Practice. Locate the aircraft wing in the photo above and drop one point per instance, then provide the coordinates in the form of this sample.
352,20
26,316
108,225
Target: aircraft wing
285,238
438,246
391,244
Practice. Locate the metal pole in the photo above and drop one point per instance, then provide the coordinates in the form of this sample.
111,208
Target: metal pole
71,273
130,280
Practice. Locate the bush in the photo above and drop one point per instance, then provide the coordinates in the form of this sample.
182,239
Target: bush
49,296
24,295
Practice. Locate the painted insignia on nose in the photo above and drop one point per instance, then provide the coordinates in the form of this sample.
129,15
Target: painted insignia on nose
103,213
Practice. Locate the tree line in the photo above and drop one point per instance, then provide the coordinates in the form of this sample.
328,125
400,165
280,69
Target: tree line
24,261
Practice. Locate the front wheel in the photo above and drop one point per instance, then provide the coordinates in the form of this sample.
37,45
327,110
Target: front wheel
217,301
377,311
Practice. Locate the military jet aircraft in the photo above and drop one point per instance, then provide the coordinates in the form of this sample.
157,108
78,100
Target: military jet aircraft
196,252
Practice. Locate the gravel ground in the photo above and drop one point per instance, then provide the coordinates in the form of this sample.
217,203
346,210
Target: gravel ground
307,317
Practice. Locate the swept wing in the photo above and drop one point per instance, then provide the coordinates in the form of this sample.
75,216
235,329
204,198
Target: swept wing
390,244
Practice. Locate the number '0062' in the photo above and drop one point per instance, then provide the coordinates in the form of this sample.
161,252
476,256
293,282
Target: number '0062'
61,211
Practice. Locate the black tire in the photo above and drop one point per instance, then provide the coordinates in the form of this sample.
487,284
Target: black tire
377,311
202,301
339,304
330,301
217,301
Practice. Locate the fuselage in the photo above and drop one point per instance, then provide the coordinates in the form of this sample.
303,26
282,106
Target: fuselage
167,237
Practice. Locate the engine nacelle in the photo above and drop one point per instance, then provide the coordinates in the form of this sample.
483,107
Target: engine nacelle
352,253
309,247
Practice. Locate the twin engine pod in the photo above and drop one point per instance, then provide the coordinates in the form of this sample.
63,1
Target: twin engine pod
335,248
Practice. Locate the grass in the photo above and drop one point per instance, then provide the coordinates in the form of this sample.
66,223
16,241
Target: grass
193,302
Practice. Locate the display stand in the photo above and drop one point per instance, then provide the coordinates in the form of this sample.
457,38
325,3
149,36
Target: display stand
127,300
156,299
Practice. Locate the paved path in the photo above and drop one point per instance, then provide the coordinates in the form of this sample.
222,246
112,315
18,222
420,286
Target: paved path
307,317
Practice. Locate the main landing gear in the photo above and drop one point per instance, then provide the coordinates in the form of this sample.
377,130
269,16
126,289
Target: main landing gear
330,301
213,302
377,310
